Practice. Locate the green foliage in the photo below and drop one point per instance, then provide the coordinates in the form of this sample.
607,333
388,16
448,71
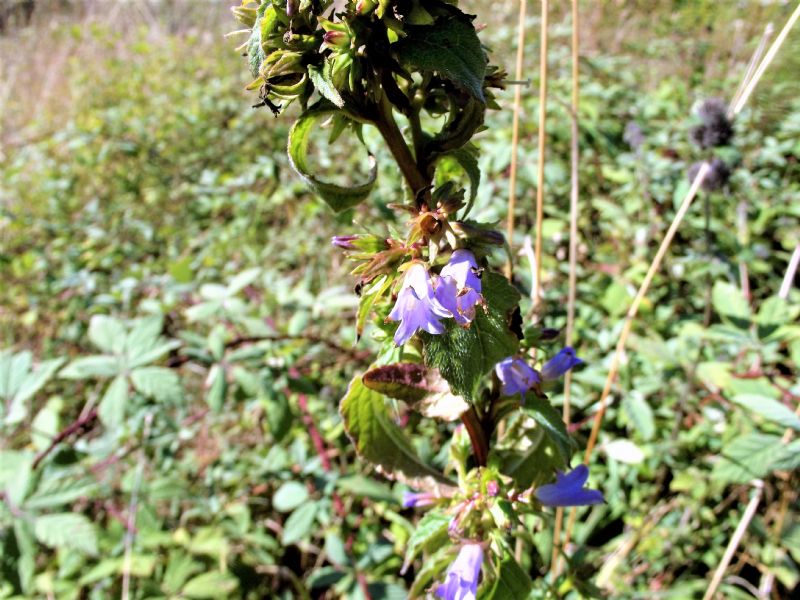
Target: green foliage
465,355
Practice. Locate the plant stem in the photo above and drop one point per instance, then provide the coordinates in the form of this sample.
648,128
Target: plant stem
391,133
477,435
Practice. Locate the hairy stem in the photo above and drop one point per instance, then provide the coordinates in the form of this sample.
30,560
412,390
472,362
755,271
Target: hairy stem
477,435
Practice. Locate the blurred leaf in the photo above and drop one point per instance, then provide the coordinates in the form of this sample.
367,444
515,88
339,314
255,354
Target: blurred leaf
89,367
107,333
769,409
70,531
552,423
112,407
299,524
429,535
512,582
159,383
211,585
731,304
639,414
289,496
747,457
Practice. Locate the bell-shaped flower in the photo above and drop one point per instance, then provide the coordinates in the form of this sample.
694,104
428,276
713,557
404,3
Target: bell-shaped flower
516,376
461,579
560,364
459,287
568,490
416,307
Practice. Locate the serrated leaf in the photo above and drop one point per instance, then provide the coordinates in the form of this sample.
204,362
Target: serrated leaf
639,414
52,492
512,582
338,197
112,407
450,47
15,474
299,523
323,82
380,441
467,157
429,535
26,384
769,409
465,355
747,457
69,531
159,383
107,333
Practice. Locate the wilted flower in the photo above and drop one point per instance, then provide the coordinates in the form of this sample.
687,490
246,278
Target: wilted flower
516,376
717,176
415,499
715,128
416,307
459,287
560,364
568,490
461,579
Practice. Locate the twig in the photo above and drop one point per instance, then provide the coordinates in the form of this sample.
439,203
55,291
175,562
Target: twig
749,512
555,562
81,426
512,176
791,271
130,527
540,165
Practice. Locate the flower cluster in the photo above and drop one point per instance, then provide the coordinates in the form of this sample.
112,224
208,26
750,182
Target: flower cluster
427,298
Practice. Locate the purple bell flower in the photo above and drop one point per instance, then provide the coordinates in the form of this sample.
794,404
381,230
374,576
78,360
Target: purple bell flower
568,490
415,499
461,579
560,364
345,242
459,288
416,307
516,376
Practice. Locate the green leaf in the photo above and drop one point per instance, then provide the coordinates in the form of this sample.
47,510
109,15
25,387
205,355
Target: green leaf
25,384
769,409
731,304
550,420
289,496
159,383
338,197
107,333
378,440
450,47
299,523
89,367
639,414
45,424
360,486
747,457
512,582
429,535
367,301
211,585
26,546
467,157
15,474
112,407
465,355
217,387
68,531
537,462
323,82
53,492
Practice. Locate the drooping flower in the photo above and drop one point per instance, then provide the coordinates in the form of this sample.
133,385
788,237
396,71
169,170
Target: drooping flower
516,376
416,307
461,579
568,490
560,364
459,287
415,499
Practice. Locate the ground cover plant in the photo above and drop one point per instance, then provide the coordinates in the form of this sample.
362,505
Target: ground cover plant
196,403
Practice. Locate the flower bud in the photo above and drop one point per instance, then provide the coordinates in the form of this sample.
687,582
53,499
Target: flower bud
335,39
365,7
246,16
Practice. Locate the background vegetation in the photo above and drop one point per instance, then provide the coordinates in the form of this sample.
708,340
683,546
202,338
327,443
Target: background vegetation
178,331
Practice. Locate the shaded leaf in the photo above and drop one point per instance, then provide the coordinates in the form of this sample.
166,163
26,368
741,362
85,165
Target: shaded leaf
68,531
